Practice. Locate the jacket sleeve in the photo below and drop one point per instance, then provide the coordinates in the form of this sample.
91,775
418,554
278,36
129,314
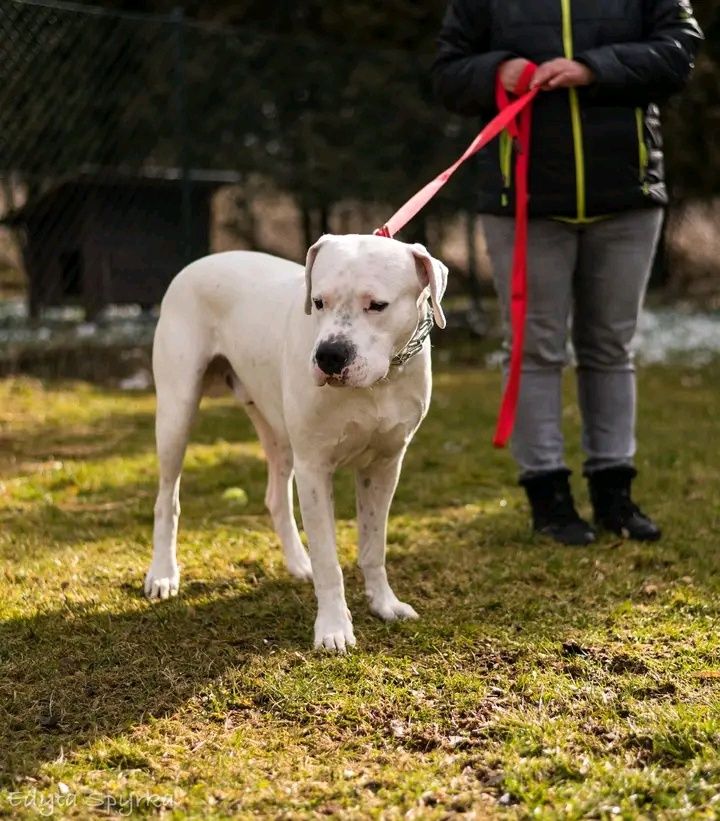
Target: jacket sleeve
464,68
651,70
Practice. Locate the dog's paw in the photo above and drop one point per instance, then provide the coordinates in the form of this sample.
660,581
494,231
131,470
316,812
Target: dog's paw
162,582
298,564
388,607
334,631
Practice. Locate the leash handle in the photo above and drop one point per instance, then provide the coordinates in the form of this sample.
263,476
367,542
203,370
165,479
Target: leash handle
520,130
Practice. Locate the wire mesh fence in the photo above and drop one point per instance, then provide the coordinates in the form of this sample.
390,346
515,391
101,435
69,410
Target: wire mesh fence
119,132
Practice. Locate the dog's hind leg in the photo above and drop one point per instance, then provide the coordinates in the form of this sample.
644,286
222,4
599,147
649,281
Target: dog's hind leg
178,366
279,494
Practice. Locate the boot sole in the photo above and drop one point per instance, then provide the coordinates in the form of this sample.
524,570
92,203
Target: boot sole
551,537
626,535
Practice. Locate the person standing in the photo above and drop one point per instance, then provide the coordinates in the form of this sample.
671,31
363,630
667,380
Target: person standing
597,194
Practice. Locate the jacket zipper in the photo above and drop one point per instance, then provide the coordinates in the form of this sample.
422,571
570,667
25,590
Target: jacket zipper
642,149
506,147
575,116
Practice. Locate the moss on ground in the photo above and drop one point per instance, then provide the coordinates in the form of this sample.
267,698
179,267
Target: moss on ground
540,681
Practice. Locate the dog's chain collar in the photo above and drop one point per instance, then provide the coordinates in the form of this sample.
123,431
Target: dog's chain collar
417,340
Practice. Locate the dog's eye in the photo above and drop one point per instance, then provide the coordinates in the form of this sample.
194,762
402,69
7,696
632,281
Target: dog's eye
318,304
377,306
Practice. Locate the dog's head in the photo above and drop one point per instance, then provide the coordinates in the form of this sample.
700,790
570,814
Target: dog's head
367,294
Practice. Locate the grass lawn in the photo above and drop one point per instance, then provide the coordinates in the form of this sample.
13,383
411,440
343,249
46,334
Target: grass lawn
540,681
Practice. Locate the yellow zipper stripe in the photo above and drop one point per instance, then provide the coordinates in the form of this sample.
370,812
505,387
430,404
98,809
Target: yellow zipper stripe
505,144
575,115
642,145
567,29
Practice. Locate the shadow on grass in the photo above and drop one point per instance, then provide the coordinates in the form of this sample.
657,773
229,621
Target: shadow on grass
77,674
72,676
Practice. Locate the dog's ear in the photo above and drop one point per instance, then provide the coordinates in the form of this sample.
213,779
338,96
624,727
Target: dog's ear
433,275
309,262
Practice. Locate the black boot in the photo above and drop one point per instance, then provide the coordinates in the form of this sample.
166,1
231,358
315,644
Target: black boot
553,510
614,508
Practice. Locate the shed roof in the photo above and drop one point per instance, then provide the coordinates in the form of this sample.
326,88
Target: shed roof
89,176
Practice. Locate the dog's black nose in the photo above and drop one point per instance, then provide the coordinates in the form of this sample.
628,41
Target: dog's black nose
332,357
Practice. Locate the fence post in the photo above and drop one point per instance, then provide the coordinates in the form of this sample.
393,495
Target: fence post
181,132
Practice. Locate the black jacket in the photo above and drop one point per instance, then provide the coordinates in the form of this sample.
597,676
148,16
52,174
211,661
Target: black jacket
596,150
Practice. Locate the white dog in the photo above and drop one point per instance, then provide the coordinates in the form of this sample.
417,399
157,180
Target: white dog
347,385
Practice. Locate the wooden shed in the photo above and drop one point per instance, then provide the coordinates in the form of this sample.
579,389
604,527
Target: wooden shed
102,238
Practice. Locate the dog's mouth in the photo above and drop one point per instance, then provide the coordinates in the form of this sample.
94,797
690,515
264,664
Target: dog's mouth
321,378
345,382
337,381
347,378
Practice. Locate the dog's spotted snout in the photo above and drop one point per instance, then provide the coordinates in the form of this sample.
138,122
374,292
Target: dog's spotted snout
333,356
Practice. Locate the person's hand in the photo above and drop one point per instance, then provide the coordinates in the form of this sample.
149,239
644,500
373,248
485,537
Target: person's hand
510,72
561,73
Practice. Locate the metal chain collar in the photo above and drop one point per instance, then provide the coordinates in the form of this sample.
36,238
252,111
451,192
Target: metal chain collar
417,340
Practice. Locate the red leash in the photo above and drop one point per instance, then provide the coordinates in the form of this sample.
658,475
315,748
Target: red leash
516,117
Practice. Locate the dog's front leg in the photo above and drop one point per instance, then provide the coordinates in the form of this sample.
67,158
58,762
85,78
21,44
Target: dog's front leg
375,487
333,625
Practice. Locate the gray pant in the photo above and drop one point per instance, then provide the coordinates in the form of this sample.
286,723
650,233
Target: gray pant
597,273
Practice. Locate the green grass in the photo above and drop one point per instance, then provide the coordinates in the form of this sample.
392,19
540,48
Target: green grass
540,681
